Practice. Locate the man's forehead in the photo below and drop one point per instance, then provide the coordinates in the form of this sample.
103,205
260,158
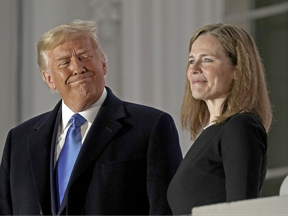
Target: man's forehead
61,52
78,51
76,43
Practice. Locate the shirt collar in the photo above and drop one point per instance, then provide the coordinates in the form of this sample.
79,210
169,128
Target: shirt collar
89,114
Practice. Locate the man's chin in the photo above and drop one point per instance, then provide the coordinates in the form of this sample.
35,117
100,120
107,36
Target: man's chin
84,90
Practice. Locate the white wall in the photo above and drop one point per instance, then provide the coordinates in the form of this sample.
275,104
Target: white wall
8,65
155,41
39,17
146,43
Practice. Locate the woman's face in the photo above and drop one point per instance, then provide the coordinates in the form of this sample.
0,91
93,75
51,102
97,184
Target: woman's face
210,71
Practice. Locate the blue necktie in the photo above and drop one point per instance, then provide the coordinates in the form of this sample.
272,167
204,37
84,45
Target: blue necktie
69,153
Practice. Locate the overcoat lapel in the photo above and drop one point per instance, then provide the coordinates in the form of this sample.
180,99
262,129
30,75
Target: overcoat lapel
39,156
102,131
53,177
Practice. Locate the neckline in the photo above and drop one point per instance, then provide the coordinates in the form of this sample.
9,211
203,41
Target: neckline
210,124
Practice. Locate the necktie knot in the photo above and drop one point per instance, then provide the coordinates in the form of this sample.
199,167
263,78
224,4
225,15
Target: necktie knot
77,120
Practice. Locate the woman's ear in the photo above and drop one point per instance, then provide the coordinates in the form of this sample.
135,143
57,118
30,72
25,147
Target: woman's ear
235,73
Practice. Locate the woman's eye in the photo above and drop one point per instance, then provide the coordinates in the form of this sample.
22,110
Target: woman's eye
191,62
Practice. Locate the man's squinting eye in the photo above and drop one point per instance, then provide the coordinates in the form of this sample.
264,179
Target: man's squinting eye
64,63
207,60
84,57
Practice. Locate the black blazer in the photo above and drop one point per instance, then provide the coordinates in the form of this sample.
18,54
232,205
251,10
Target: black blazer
124,167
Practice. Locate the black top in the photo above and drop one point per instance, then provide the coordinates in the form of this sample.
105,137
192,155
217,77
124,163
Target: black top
227,162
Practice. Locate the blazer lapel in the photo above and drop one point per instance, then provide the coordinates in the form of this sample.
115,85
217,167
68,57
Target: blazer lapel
39,155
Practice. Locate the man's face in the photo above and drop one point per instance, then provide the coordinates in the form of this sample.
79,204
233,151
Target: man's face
77,71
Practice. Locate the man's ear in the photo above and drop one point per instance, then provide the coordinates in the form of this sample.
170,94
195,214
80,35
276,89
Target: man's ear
104,65
48,79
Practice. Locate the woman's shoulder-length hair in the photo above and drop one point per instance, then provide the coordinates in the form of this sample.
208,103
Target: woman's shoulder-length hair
248,91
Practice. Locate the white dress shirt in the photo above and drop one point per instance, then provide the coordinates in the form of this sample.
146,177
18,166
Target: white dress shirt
89,114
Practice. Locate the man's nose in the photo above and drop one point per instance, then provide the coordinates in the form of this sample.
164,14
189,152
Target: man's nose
77,66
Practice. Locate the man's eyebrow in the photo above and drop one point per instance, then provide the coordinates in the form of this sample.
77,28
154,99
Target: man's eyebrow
80,52
62,57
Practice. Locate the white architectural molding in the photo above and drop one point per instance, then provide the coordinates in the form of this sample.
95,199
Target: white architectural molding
258,13
154,52
284,188
278,172
146,42
275,205
107,13
9,70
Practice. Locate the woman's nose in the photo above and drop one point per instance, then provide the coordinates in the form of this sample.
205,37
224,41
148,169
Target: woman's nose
195,68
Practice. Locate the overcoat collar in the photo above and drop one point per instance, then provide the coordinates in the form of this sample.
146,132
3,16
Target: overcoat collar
102,131
40,144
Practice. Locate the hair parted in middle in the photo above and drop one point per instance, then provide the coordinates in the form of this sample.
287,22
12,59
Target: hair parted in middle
248,92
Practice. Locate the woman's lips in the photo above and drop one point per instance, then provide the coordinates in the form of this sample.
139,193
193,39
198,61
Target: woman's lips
199,81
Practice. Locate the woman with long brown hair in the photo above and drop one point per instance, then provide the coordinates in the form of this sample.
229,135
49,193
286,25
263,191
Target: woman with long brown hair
227,111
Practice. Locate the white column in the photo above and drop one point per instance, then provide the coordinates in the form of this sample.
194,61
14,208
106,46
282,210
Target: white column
146,42
155,39
39,17
8,61
132,50
108,15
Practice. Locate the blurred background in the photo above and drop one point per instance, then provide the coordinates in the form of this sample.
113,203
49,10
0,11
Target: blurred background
146,42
